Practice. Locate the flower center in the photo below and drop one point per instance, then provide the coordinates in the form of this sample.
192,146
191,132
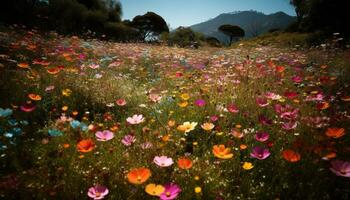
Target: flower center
97,194
167,194
138,178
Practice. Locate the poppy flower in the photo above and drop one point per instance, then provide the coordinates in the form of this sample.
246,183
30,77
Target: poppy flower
335,132
220,151
207,126
322,105
184,163
121,102
163,161
98,192
28,107
23,65
280,69
34,97
104,135
340,168
85,145
171,191
135,119
154,190
187,126
290,155
138,175
260,153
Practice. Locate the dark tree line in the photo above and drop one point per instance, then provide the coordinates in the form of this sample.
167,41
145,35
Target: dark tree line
100,18
328,16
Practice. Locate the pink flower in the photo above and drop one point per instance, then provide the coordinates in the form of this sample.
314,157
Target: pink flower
121,102
104,135
290,95
262,102
171,191
28,107
297,79
260,153
289,125
262,136
200,102
163,161
98,192
232,108
155,97
340,168
135,119
128,140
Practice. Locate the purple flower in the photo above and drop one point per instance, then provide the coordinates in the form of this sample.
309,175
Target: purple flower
340,168
163,161
260,153
200,102
171,191
128,140
104,135
98,192
262,136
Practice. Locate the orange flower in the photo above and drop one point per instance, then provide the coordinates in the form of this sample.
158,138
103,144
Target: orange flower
290,155
220,151
335,132
280,69
34,97
53,70
184,163
23,65
138,175
323,105
86,145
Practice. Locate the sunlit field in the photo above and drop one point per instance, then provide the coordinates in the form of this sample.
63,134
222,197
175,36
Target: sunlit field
84,118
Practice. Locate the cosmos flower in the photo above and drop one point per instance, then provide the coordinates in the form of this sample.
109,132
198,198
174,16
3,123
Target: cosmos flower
98,192
340,168
163,161
289,125
207,126
262,136
260,153
187,126
104,135
128,140
155,97
200,102
28,107
138,175
34,97
335,132
232,108
262,101
171,191
85,145
290,155
154,190
120,102
184,163
220,151
135,119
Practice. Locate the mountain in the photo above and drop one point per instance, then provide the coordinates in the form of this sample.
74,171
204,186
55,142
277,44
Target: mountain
254,23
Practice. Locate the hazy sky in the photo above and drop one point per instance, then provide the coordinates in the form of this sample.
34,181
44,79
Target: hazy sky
189,12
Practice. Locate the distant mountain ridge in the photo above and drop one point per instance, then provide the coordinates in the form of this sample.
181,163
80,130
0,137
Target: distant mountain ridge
254,23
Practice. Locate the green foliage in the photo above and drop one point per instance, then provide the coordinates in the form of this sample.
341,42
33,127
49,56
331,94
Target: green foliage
149,26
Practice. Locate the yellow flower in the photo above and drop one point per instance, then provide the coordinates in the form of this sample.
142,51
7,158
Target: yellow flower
154,190
171,123
197,189
64,108
183,104
207,126
196,178
247,165
187,126
220,151
66,92
185,96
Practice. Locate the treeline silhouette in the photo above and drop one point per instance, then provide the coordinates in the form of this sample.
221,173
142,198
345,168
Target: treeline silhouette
97,18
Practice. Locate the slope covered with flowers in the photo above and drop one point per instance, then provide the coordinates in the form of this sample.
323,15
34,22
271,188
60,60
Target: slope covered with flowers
101,120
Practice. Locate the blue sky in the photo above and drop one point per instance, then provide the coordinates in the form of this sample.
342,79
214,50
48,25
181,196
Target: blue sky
189,12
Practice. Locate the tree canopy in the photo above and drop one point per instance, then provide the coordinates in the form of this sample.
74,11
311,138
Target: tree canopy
149,25
232,31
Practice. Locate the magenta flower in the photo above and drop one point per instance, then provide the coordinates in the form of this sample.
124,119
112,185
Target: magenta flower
262,136
264,120
135,119
98,192
171,191
297,79
290,95
128,140
163,161
260,153
104,135
200,102
214,118
289,125
232,108
28,107
262,101
340,168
